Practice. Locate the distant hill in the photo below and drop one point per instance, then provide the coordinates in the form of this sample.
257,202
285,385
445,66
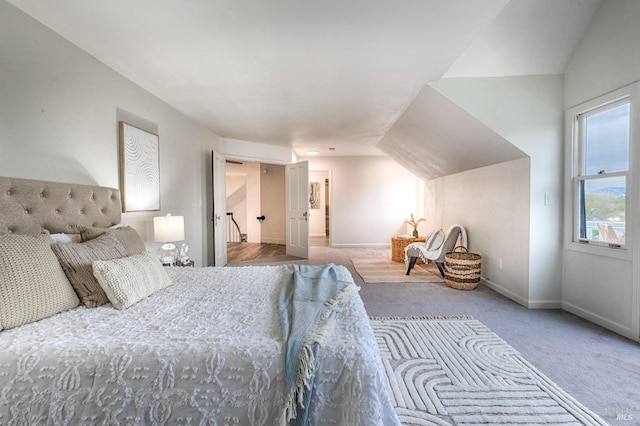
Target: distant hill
610,190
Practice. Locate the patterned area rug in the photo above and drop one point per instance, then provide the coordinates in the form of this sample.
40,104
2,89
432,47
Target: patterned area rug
455,371
376,270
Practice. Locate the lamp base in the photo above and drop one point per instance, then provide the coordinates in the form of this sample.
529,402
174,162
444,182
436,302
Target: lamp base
168,254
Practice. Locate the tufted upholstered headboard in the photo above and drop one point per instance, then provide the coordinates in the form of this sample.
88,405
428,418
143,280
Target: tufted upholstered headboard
31,206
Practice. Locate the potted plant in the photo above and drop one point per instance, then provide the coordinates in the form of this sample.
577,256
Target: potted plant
414,223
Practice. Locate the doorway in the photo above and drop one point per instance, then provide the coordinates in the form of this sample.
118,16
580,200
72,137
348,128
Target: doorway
247,182
255,210
319,208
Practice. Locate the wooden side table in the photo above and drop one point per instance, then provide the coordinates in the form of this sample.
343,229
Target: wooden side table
398,244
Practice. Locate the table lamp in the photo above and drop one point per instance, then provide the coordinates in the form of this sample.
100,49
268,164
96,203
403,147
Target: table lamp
168,229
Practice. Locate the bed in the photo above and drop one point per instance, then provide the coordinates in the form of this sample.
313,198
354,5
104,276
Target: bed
197,346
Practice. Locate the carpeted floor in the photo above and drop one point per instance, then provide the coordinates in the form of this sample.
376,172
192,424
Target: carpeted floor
380,270
455,371
597,367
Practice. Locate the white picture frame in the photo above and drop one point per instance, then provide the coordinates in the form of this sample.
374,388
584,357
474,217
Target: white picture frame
139,169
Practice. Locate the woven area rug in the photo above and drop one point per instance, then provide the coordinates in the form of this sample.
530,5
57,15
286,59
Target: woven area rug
455,371
376,270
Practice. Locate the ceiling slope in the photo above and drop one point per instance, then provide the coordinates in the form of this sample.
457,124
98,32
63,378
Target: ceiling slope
529,37
435,138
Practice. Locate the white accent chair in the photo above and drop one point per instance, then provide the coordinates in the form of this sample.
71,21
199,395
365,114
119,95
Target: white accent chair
435,247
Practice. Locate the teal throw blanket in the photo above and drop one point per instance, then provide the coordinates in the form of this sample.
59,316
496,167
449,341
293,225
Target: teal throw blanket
307,303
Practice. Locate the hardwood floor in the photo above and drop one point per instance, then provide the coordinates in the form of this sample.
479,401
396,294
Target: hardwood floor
238,252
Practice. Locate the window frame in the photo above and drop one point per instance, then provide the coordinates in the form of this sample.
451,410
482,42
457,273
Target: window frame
574,166
581,177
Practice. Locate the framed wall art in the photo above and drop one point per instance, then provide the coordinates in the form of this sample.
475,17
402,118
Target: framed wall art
314,195
139,169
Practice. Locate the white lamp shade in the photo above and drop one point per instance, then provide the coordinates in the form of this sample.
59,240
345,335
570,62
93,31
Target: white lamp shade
168,228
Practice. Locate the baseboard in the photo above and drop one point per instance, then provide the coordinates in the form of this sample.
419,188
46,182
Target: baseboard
530,304
364,245
600,320
545,304
506,292
576,310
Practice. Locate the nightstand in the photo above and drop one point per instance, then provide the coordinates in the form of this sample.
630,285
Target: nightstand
398,244
178,264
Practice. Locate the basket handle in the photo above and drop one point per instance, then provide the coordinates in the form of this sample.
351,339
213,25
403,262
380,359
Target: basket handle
462,247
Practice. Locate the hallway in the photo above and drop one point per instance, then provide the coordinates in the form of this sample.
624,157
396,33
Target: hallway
241,252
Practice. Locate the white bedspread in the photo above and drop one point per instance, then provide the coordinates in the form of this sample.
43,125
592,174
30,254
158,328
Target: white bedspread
206,350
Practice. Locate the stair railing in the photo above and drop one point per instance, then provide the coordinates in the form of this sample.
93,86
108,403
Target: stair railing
234,234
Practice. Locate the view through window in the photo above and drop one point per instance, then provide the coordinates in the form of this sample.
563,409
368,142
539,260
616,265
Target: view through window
603,168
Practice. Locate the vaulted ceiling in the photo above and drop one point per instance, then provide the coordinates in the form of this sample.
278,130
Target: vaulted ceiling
314,75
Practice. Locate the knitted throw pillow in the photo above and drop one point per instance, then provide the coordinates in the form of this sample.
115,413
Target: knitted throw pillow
128,236
128,280
32,283
76,260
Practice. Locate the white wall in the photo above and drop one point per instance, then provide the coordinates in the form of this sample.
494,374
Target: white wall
528,112
492,203
59,112
253,228
370,199
601,288
608,57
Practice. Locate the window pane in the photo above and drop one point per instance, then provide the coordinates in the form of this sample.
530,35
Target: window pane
602,209
607,141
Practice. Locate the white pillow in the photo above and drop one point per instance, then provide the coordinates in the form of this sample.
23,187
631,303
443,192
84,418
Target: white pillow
65,238
130,279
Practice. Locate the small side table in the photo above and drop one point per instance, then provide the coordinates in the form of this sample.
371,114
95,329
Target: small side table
180,264
398,244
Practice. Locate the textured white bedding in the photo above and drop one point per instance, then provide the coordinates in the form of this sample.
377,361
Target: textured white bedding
206,350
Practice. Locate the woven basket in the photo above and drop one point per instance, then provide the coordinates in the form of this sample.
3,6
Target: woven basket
462,269
398,245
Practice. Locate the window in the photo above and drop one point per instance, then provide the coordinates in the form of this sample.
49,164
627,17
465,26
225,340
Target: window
602,174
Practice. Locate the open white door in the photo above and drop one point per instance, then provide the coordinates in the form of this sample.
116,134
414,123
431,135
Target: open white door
297,196
219,214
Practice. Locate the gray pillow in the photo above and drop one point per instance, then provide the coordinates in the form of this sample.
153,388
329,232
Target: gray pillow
76,260
32,283
128,236
128,280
